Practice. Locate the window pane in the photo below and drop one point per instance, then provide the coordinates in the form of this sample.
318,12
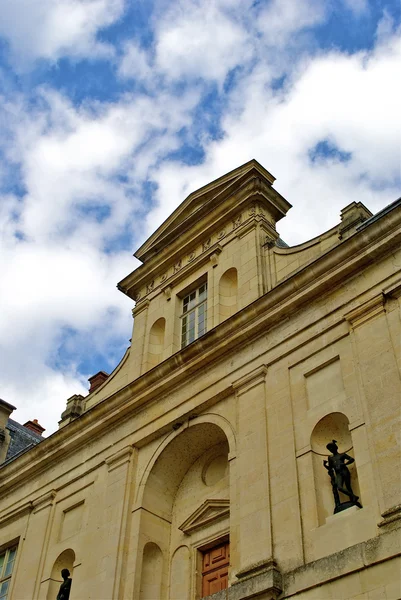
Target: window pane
2,556
9,568
4,588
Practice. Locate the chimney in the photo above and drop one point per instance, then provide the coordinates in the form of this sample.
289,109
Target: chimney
34,426
5,411
96,380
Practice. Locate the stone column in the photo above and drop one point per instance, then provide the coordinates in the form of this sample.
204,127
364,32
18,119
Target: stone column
381,392
254,544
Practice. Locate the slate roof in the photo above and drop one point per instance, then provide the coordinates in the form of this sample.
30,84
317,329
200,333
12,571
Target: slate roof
22,439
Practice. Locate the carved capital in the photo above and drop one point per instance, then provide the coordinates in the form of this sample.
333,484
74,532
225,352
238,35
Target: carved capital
366,311
250,380
121,457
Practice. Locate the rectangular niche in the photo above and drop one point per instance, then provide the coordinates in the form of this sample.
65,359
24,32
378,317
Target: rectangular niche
324,383
71,520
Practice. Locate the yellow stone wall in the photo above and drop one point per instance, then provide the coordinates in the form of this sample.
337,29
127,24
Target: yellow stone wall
225,439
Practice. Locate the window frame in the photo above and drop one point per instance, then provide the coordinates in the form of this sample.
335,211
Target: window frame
5,577
198,310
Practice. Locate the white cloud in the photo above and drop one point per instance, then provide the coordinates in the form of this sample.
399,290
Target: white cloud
57,274
76,162
50,29
350,100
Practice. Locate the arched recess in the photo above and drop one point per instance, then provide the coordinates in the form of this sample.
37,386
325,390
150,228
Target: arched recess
156,343
228,291
152,572
180,574
334,426
178,458
65,560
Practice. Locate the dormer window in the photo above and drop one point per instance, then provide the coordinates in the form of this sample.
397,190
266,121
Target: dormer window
194,314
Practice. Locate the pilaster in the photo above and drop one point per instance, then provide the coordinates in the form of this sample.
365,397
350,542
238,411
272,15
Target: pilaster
381,392
253,508
117,499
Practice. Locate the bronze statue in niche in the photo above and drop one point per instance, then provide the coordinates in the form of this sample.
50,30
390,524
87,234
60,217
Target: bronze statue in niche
65,587
340,477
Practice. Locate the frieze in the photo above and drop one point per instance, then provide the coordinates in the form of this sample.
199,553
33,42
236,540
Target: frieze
237,221
254,211
206,244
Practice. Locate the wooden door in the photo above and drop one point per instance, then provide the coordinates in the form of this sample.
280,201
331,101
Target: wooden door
215,569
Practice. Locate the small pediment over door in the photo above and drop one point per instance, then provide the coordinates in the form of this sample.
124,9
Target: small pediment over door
209,512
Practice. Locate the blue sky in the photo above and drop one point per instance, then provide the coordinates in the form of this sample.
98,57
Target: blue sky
113,111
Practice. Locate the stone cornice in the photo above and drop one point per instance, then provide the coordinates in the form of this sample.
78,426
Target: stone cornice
332,268
16,513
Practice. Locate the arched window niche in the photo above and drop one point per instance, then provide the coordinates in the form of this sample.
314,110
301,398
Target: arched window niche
228,291
334,426
156,343
65,560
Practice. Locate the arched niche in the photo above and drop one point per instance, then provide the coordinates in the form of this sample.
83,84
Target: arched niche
156,342
193,455
228,291
152,572
334,426
171,465
180,574
65,560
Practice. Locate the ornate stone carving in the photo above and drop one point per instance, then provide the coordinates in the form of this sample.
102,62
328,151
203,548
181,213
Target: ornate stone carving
237,221
191,256
221,234
149,287
177,266
163,277
206,244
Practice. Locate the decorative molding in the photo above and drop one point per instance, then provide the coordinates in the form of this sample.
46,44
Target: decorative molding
393,290
214,257
44,501
209,512
391,515
237,221
120,458
139,308
250,380
150,286
167,292
206,244
366,311
16,513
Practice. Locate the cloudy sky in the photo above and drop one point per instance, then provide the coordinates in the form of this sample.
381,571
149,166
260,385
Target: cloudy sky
113,111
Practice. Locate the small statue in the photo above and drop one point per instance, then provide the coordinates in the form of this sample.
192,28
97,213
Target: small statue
337,468
65,587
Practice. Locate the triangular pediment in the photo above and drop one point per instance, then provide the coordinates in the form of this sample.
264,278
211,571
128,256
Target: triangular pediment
209,512
192,208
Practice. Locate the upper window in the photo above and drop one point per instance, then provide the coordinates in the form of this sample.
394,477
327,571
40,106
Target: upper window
7,559
194,313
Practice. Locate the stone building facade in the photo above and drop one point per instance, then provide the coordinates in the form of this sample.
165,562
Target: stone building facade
196,467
